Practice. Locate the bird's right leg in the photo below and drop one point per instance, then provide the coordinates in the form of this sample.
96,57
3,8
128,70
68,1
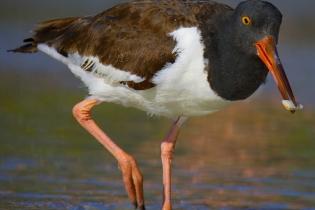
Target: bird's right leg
132,176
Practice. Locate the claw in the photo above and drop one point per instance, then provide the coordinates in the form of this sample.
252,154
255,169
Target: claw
135,204
142,207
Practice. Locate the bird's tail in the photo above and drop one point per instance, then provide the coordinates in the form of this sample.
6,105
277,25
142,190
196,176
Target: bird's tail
48,32
30,46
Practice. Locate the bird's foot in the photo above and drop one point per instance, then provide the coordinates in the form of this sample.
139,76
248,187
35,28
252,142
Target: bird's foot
133,180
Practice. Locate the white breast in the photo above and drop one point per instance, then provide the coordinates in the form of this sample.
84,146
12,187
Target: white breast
182,88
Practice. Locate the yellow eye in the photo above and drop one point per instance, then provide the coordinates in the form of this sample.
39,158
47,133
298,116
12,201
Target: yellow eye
246,20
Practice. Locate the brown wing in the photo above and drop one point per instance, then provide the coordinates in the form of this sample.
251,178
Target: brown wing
131,36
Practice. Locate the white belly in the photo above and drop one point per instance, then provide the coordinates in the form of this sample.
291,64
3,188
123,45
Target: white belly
181,88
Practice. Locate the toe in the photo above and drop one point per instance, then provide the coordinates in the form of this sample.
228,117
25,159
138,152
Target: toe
135,204
129,185
133,181
142,207
138,183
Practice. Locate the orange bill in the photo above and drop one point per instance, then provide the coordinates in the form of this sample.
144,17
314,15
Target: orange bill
267,52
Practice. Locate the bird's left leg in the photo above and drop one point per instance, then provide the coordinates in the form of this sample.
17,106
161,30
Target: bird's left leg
167,149
132,176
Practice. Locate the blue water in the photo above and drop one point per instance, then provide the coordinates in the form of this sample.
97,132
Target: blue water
253,156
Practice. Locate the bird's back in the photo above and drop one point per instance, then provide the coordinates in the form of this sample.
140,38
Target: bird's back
128,46
131,36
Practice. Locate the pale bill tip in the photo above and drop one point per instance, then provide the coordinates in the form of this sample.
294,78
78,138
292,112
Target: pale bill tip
289,105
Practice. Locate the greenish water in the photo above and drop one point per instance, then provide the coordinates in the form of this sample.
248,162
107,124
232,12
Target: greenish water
252,155
249,156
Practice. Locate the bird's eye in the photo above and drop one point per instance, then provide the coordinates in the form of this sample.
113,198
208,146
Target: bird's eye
246,20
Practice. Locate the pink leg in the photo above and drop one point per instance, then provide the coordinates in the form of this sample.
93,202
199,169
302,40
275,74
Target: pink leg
167,149
132,176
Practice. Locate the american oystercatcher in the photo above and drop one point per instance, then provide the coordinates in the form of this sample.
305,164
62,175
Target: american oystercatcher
176,59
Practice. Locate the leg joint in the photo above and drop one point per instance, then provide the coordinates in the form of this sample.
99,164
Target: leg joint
127,160
167,150
82,111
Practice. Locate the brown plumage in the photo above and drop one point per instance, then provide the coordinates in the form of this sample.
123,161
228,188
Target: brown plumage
132,36
219,58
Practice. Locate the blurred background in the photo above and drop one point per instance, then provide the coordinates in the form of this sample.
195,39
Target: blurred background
253,155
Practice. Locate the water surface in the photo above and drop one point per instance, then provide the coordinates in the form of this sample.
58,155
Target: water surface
253,155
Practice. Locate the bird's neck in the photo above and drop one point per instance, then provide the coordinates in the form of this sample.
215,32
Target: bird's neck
232,73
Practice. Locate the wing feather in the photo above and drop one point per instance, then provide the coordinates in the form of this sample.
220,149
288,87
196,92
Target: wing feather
132,37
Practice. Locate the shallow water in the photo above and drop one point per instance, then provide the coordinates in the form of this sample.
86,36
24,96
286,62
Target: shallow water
250,156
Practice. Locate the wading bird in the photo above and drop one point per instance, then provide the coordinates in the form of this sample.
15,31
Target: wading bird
176,59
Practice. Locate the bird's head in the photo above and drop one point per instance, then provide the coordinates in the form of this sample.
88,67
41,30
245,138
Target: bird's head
256,26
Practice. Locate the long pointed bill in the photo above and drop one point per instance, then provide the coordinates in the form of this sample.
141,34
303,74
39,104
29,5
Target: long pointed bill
267,52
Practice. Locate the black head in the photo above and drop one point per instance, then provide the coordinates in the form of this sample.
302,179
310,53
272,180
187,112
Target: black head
247,51
253,20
